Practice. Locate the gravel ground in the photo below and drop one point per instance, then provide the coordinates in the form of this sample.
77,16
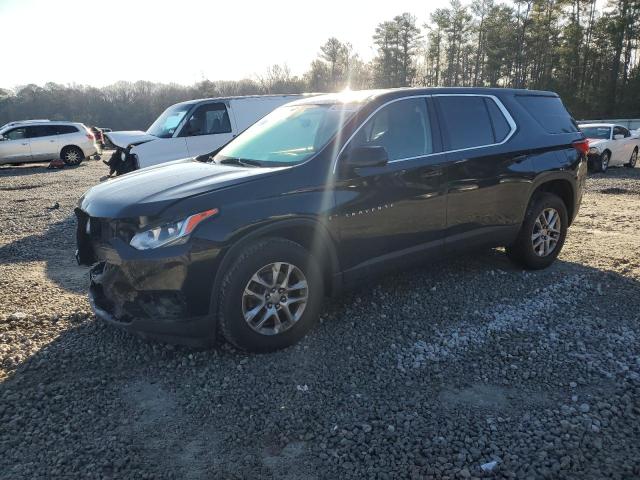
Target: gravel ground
466,369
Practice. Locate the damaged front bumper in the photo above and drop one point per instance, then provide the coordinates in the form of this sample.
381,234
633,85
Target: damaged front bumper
161,294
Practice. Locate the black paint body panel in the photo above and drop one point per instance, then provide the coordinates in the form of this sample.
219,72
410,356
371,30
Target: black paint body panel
363,221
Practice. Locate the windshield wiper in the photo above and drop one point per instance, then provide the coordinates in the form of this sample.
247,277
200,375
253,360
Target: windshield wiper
240,161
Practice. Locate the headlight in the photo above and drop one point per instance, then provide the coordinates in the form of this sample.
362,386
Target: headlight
123,155
594,151
173,233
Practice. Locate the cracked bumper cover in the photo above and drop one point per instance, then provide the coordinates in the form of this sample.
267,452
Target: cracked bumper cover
161,294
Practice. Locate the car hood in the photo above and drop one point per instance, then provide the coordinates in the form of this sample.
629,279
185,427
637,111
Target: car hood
130,137
594,142
149,191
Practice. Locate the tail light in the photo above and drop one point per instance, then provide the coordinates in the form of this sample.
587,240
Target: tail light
582,146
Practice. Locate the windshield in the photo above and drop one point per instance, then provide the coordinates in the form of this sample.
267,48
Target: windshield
597,132
288,135
165,125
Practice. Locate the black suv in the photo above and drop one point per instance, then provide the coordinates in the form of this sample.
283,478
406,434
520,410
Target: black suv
320,194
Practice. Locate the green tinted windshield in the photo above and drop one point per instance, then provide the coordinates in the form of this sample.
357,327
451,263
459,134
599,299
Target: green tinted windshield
289,134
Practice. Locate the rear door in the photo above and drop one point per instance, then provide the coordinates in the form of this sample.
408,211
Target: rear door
14,148
484,191
43,140
394,212
208,128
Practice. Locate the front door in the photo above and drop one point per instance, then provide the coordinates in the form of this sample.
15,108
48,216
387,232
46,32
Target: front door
14,147
394,212
208,128
44,142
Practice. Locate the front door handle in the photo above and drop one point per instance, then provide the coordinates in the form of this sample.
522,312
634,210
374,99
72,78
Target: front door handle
520,158
25,144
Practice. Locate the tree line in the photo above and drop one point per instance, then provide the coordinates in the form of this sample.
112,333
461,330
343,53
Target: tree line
590,56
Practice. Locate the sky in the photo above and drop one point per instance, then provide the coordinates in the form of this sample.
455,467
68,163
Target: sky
98,42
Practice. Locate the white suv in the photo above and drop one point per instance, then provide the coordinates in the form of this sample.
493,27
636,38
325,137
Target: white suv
43,140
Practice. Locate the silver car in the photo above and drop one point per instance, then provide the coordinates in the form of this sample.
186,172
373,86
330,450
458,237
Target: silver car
43,140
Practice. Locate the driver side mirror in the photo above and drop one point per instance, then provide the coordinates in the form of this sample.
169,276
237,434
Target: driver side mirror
2,138
618,136
360,157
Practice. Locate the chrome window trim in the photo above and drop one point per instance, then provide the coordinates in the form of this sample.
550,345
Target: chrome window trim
501,107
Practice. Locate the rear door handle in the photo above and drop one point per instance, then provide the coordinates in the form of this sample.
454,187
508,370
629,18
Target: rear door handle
520,158
432,173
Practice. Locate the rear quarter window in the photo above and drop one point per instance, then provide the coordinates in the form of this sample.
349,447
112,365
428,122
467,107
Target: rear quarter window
549,112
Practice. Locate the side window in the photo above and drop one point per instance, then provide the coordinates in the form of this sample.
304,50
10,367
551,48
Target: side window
466,121
617,131
626,132
501,127
16,134
402,127
37,131
208,119
63,129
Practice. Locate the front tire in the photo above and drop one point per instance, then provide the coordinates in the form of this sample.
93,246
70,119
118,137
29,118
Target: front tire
603,164
271,296
633,160
542,234
72,156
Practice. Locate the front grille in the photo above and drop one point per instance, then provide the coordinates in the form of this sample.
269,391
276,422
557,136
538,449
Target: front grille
101,230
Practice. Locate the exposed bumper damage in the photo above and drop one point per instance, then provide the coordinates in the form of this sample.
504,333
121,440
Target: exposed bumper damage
161,295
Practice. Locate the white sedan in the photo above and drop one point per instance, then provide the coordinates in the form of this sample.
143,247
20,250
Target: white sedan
610,145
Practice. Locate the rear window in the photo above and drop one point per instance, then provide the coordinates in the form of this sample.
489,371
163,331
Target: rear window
549,112
472,121
62,129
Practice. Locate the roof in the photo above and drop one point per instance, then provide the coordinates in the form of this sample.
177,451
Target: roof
361,96
38,122
242,97
598,125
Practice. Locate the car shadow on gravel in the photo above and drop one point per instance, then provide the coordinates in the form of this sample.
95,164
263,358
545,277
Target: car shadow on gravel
426,372
33,168
56,248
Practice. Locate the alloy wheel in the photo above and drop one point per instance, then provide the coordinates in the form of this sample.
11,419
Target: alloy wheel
546,232
604,162
634,159
72,157
275,298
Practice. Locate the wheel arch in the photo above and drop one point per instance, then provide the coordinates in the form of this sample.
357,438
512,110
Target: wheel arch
560,186
310,234
71,145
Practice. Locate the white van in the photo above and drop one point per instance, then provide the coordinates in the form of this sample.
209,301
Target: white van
190,129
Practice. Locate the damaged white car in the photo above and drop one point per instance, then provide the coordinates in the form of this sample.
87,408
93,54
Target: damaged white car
610,145
189,129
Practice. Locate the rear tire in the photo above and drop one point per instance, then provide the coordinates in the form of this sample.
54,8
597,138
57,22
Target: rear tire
72,156
527,250
258,310
633,160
